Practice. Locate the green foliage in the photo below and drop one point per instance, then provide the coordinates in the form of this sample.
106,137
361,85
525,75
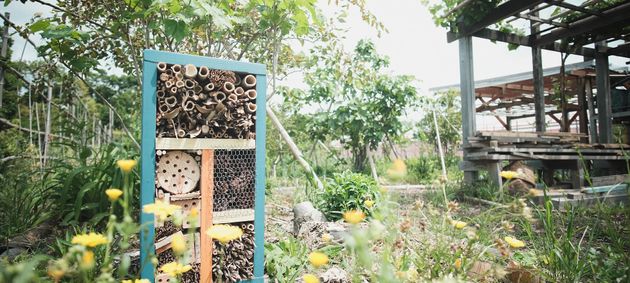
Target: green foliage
21,272
286,260
558,248
79,184
344,192
449,120
363,103
469,14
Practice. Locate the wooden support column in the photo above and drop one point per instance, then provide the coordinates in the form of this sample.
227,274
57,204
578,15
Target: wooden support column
467,93
592,119
582,112
539,83
207,191
604,108
494,173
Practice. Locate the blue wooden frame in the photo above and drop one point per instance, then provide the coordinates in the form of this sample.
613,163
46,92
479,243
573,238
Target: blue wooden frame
147,171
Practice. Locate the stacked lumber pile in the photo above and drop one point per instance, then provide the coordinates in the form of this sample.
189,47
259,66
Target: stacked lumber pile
507,145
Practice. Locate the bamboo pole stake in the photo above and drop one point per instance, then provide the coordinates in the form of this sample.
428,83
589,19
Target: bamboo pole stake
3,52
371,162
39,140
48,126
30,116
294,149
439,144
207,191
8,123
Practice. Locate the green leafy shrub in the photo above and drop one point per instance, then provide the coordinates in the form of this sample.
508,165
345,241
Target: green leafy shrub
424,168
285,260
346,191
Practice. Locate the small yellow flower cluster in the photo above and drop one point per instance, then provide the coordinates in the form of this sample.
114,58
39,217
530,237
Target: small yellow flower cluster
318,259
224,233
160,209
113,194
368,203
514,243
354,216
459,224
87,260
89,240
175,268
178,244
126,165
509,175
310,278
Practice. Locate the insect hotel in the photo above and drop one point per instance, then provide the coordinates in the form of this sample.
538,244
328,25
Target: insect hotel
203,144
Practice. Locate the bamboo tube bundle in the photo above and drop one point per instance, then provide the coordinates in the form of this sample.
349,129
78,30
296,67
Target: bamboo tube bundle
237,256
198,102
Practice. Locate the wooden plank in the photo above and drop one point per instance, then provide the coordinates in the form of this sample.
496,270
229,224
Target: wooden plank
207,190
165,243
475,157
189,144
609,180
618,188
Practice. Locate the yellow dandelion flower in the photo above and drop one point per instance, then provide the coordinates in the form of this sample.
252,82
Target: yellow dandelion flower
89,240
509,174
56,273
175,268
310,278
160,209
398,169
326,238
412,274
194,212
87,260
514,243
178,244
458,263
368,203
126,164
459,224
224,233
353,216
113,194
318,259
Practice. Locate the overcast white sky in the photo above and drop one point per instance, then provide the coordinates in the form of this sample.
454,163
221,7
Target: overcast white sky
414,44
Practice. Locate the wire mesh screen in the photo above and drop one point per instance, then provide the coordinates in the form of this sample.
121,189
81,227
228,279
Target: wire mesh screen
197,102
234,179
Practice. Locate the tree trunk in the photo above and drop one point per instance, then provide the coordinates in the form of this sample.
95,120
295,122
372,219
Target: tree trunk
372,165
359,155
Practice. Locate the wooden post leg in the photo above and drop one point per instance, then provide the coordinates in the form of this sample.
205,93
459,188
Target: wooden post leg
494,173
577,175
207,190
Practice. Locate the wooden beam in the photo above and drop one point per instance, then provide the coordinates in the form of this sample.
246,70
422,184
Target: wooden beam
505,37
502,11
592,122
207,200
620,50
612,16
555,118
604,107
505,125
576,8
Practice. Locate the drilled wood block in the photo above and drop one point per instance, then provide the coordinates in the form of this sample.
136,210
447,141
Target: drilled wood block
178,172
